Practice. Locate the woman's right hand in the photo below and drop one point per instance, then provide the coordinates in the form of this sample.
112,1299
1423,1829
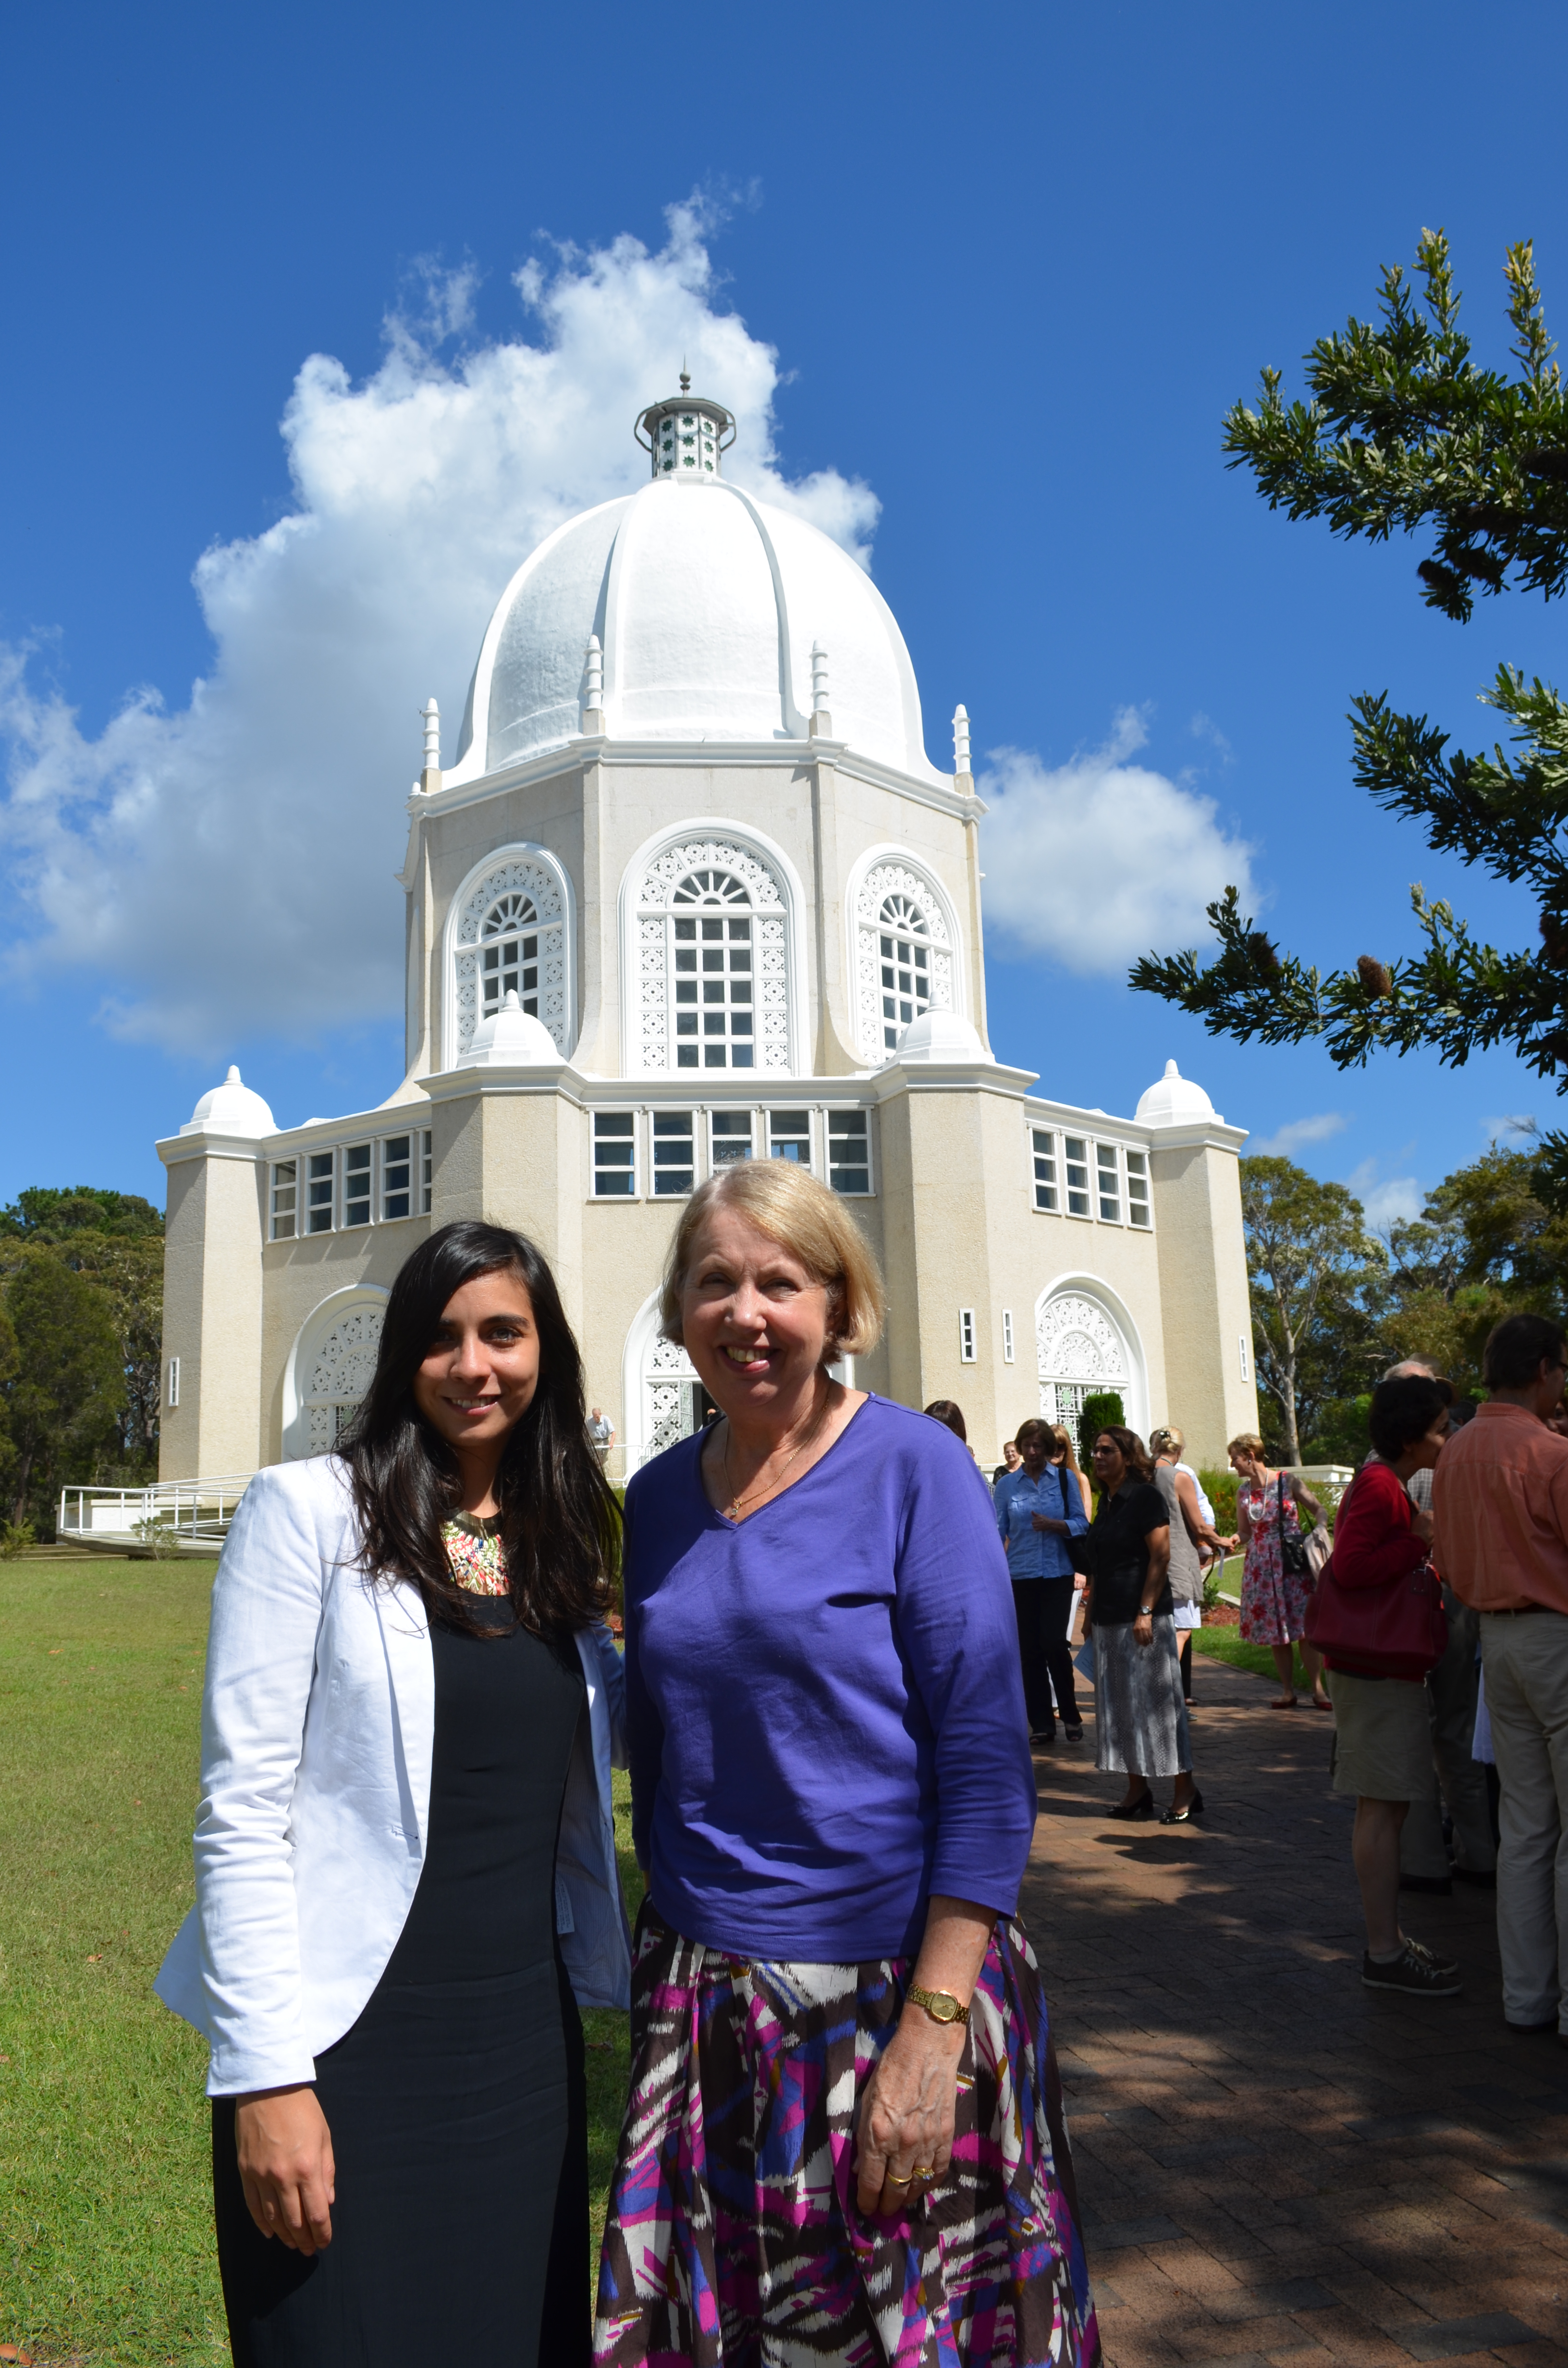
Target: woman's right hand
286,2166
1421,1524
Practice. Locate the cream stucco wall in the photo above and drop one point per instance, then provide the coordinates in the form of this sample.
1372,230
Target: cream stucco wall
212,1314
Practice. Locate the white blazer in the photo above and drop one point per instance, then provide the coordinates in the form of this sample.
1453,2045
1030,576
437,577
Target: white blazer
317,1729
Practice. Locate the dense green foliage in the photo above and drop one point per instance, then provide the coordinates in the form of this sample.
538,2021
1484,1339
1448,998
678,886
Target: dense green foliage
81,1325
105,2228
1312,1266
1100,1407
1486,1245
1404,430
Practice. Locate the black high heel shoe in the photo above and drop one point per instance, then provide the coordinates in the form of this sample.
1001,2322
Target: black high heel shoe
1174,1817
1144,1806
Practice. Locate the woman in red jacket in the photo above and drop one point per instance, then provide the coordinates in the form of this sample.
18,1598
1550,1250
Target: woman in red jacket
1383,1734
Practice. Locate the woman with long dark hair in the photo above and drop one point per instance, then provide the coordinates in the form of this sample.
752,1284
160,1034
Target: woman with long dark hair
405,1855
1141,1727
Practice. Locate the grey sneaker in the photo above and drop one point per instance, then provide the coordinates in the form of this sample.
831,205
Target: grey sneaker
1416,1975
1430,1957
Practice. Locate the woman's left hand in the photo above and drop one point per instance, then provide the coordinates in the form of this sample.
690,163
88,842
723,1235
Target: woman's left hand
904,2125
1143,1628
906,2121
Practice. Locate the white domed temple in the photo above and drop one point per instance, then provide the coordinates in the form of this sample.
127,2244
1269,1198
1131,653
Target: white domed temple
691,891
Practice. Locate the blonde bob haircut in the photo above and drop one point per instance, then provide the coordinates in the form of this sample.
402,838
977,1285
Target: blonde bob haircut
789,1205
1245,1442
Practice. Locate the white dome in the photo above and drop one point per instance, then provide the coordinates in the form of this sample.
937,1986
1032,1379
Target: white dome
510,1038
230,1108
706,604
941,1036
1174,1100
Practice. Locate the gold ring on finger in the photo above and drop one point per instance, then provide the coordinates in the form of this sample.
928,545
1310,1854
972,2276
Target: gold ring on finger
921,2173
893,2181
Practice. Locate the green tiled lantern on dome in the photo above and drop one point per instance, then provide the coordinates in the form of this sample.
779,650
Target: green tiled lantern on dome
686,436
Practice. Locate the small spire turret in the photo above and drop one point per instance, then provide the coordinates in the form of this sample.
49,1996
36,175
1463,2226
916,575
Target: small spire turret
430,714
821,726
960,748
686,436
594,687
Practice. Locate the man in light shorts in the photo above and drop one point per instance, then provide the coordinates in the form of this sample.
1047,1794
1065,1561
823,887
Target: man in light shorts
601,1435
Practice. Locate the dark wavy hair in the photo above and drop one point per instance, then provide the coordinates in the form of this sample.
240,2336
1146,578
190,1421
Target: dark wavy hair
559,1517
1404,1410
1134,1455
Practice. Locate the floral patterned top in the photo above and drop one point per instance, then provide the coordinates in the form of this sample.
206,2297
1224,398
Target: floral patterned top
473,1551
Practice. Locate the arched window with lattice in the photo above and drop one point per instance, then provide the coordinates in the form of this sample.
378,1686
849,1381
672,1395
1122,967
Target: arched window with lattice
511,937
712,949
905,960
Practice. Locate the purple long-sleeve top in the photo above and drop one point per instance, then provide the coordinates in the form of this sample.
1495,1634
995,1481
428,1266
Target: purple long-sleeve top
824,1713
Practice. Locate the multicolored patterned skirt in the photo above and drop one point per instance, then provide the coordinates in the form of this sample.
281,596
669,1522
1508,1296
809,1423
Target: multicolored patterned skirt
733,2238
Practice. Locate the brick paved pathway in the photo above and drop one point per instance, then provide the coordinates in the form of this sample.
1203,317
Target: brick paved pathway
1274,2163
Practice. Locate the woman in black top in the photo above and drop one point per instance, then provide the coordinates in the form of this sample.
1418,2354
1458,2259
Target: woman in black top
1139,1716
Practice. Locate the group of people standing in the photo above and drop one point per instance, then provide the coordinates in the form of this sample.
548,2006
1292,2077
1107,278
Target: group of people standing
1439,1614
843,2137
1137,1558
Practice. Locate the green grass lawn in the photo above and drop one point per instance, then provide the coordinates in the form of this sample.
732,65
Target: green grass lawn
106,2244
1225,1645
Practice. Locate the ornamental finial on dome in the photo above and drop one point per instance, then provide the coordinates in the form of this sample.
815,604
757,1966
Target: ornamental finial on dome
687,436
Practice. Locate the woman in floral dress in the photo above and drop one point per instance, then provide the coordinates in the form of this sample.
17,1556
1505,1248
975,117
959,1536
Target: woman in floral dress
1274,1599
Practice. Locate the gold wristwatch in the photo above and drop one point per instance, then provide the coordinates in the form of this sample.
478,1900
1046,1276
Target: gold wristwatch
940,2005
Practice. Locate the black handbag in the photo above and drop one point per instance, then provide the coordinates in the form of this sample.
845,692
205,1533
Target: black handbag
1293,1548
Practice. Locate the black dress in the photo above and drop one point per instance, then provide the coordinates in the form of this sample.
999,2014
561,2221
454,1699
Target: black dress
457,2103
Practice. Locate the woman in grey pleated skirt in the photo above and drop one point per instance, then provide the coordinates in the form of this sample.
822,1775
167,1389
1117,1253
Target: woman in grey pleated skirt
1141,1727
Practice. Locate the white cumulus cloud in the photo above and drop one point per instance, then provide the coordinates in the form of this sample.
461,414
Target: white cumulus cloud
1098,860
1285,1141
217,864
1385,1200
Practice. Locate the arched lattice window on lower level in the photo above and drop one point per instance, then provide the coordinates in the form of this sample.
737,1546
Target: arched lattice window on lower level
339,1375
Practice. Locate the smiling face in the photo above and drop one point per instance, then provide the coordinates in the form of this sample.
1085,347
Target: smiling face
754,1319
479,1375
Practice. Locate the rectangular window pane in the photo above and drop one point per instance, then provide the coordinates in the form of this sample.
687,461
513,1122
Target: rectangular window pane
615,1154
849,1151
318,1190
732,1137
357,1184
426,1164
284,1197
1045,1194
1006,1336
966,1336
789,1136
673,1170
1075,1154
397,1172
1109,1183
1138,1186
714,994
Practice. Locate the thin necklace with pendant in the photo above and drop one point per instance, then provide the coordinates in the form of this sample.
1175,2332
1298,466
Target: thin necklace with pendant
737,1505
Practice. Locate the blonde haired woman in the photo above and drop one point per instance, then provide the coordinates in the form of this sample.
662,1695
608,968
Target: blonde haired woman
844,2136
1274,1596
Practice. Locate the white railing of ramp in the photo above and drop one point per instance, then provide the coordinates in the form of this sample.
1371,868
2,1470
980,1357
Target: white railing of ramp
190,1516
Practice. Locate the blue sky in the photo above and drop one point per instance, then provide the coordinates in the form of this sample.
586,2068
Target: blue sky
1013,264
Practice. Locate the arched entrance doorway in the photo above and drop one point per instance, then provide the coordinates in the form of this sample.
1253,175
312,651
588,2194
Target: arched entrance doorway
329,1369
1081,1347
665,1400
